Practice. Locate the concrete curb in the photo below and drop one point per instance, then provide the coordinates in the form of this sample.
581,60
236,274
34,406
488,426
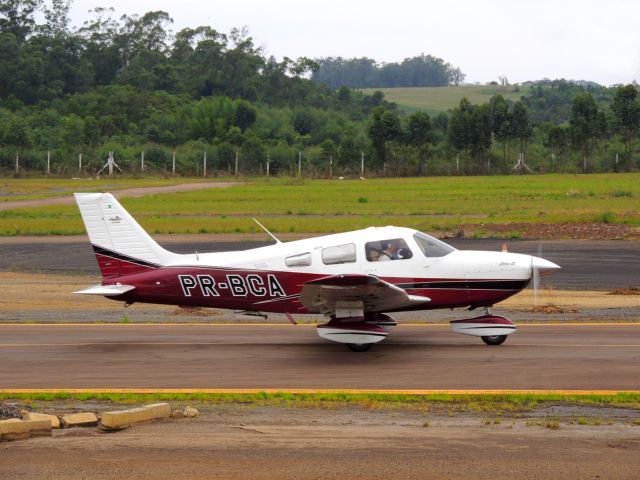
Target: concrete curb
16,429
125,418
86,419
55,421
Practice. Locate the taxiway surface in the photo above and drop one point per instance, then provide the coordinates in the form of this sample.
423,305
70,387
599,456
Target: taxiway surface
589,357
586,265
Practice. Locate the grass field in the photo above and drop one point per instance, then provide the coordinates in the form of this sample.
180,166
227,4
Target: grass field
439,204
434,100
483,402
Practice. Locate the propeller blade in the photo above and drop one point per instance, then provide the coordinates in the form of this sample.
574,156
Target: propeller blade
536,283
536,276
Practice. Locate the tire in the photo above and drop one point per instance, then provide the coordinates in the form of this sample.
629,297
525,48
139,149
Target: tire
359,347
494,339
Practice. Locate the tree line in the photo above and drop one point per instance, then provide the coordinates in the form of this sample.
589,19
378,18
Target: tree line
419,71
486,138
127,85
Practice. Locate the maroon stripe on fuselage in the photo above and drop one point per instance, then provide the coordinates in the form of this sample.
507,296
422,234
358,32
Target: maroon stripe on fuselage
116,267
276,291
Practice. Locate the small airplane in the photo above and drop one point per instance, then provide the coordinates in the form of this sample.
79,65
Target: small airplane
355,278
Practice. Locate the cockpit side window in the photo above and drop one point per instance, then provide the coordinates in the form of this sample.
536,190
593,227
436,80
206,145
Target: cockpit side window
339,254
432,247
384,250
302,260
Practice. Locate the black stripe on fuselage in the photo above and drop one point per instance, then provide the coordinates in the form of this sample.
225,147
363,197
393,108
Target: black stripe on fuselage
497,325
98,250
468,285
358,332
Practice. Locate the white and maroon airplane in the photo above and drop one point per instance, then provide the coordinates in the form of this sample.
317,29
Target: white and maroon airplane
354,278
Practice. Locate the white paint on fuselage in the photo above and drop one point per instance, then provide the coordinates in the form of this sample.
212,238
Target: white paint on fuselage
459,264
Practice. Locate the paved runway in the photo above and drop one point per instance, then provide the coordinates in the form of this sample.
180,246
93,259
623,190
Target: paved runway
586,357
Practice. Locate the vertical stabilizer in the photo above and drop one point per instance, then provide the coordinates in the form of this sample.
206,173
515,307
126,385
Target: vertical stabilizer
119,242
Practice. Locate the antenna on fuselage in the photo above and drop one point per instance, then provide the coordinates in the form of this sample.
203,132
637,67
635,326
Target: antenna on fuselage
265,229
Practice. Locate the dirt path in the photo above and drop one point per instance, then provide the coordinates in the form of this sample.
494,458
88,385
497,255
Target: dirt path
127,192
244,442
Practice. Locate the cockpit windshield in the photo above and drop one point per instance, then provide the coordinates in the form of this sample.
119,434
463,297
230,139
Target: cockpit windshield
432,247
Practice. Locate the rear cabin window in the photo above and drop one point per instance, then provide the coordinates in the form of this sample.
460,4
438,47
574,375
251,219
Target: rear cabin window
302,260
432,247
385,250
339,254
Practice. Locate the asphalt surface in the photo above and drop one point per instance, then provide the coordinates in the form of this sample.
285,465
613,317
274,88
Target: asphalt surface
586,265
586,357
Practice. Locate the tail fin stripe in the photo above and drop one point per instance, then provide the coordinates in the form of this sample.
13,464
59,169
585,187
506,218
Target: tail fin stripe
125,258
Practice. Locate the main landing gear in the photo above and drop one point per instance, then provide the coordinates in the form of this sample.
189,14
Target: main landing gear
359,333
359,347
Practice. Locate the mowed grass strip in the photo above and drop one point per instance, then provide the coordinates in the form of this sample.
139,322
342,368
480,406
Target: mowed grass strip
458,402
435,100
437,204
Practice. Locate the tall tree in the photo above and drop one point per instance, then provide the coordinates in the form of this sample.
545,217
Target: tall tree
244,115
419,136
500,118
57,19
470,131
626,109
17,135
584,125
16,17
384,128
557,140
419,130
521,128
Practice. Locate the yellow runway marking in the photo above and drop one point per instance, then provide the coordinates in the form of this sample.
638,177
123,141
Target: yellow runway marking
313,391
228,344
134,344
128,325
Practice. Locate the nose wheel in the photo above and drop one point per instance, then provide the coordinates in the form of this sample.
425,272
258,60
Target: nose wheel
494,339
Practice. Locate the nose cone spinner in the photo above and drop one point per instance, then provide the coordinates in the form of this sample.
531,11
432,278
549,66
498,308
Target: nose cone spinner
542,266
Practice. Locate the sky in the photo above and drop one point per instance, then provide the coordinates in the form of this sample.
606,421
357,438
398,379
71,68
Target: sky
522,40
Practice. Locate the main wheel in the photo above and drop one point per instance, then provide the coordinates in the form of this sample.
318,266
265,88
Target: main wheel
494,339
359,347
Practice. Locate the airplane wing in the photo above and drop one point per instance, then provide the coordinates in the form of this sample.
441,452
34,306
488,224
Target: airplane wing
365,292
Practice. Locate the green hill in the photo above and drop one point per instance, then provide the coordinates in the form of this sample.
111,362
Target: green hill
434,100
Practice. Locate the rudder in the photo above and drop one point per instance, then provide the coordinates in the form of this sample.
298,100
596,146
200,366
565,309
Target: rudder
121,245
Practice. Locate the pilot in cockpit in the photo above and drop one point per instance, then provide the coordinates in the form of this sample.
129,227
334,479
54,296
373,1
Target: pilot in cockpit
389,252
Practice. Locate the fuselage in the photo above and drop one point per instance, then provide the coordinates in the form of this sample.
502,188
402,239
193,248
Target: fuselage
270,279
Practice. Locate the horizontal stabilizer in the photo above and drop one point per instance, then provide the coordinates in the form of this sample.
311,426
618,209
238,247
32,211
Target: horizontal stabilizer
106,290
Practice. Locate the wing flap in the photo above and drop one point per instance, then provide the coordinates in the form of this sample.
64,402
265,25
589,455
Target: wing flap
376,295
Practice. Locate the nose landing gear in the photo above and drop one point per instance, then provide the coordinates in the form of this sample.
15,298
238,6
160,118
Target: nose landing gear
492,329
494,339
